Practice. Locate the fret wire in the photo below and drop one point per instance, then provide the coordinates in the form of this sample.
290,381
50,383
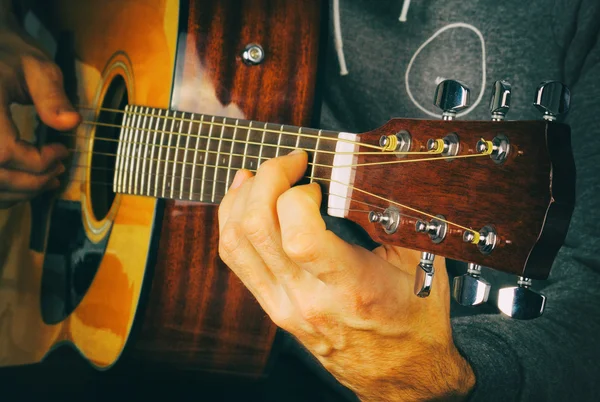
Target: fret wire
166,185
138,135
151,163
125,154
176,136
231,153
196,153
312,171
185,153
260,150
248,130
218,158
298,137
147,138
206,160
158,165
130,160
279,141
120,146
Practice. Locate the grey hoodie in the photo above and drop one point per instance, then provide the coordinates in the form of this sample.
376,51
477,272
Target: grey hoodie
394,54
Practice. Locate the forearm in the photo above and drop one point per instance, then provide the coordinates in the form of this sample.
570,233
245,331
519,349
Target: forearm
438,376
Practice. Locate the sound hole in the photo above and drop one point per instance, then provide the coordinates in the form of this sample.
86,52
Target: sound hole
105,148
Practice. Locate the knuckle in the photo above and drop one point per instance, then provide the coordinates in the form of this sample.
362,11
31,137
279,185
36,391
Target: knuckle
229,241
284,318
302,247
254,226
362,302
314,315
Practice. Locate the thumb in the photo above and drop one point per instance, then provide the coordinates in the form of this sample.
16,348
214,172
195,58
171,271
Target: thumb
44,82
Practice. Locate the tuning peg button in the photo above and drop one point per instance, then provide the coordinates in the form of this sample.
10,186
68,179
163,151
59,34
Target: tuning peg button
471,289
553,99
424,275
500,100
451,97
521,302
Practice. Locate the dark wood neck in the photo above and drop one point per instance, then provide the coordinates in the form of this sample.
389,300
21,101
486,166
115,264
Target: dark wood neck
178,155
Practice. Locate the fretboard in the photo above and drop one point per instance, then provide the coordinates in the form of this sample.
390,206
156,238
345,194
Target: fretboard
187,156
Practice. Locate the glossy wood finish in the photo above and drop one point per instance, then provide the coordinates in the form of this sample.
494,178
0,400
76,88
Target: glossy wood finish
529,199
140,37
199,315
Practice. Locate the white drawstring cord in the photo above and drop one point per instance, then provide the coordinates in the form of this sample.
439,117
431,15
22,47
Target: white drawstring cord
339,46
404,12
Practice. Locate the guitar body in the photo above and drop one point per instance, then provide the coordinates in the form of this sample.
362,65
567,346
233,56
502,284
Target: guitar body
105,273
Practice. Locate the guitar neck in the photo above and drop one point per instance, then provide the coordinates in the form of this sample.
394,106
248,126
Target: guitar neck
187,156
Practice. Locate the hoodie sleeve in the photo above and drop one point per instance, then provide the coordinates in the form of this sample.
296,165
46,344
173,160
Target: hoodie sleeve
556,357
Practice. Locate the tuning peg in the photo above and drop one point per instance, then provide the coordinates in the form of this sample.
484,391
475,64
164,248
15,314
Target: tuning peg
500,100
521,302
389,219
451,97
471,289
552,98
424,275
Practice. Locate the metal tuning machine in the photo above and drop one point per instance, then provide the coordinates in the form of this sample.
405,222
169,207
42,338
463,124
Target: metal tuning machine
424,275
471,289
553,99
521,302
389,219
451,97
436,228
486,239
500,100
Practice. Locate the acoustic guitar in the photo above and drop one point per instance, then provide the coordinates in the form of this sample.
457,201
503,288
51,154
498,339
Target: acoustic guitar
175,97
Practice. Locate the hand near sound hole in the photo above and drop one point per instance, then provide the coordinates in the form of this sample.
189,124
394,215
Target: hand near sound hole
351,308
28,76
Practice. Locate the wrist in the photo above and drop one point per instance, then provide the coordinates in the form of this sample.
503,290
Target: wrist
438,373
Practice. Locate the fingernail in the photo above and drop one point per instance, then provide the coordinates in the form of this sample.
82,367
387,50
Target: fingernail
238,179
296,152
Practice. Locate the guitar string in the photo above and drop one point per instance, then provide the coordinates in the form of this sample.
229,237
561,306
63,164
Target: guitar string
242,142
220,194
351,187
174,162
183,135
224,124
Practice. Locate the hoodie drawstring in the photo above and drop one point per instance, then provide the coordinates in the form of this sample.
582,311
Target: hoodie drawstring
337,28
339,45
404,11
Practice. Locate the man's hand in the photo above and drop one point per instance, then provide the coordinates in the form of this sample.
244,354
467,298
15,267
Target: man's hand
351,308
28,76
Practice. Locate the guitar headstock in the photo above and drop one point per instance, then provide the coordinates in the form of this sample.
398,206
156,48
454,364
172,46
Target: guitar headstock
498,194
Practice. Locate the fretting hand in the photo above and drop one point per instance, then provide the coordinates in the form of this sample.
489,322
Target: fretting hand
351,308
28,76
